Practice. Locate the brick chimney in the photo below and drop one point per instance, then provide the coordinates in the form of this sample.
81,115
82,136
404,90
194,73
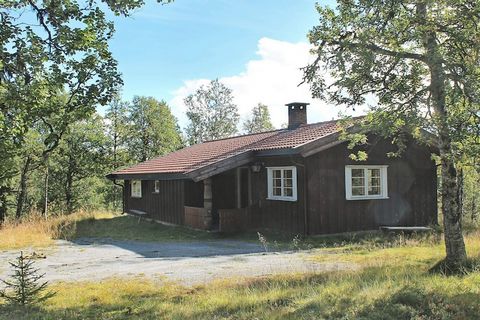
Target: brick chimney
297,114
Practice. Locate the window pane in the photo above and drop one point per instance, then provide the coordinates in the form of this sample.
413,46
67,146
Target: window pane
359,173
358,191
136,188
277,183
288,183
287,173
277,192
358,182
375,182
288,192
374,173
374,191
277,174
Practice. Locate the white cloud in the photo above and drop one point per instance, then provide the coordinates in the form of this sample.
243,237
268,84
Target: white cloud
273,79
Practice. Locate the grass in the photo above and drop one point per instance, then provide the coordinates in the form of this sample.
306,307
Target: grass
393,282
35,231
124,227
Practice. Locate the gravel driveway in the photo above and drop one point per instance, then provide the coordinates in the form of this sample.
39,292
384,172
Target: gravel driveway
189,263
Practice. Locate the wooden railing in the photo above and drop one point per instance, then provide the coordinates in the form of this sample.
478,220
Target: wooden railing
198,218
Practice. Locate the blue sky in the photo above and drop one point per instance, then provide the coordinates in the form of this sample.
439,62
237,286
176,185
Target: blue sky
166,51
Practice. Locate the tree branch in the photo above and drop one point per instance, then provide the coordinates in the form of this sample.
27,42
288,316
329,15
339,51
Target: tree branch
383,51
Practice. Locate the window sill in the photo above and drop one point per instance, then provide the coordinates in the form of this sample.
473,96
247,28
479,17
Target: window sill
136,197
368,198
282,199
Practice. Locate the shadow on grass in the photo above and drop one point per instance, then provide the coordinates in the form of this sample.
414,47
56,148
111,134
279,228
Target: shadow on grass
416,303
131,228
404,294
154,240
445,268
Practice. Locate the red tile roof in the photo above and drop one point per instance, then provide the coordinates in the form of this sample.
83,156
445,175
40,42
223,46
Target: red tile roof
203,154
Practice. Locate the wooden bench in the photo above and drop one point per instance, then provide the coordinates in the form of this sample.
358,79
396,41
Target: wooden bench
140,214
405,229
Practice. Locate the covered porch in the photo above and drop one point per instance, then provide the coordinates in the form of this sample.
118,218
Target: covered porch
226,202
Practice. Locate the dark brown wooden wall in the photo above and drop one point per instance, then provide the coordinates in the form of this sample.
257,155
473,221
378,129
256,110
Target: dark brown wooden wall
224,188
412,182
193,193
166,206
284,216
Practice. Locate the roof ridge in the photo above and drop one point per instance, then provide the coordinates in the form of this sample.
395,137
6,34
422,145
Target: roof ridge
198,155
269,131
241,136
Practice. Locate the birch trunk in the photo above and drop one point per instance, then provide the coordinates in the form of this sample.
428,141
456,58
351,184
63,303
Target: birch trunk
451,186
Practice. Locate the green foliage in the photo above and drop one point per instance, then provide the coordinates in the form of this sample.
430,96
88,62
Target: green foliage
259,121
51,48
25,287
81,154
417,66
87,151
211,112
471,197
116,124
117,130
377,48
153,130
55,68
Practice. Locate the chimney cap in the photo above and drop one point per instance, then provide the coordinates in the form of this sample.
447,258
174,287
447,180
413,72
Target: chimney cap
297,104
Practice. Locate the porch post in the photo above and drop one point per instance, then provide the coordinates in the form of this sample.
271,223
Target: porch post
207,202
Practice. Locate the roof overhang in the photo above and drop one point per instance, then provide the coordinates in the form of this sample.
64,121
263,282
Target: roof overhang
334,139
146,176
305,150
318,145
221,166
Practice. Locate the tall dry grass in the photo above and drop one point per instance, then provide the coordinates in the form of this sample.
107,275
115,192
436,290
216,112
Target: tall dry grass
36,231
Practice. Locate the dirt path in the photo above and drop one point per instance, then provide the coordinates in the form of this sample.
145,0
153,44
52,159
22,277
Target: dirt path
187,262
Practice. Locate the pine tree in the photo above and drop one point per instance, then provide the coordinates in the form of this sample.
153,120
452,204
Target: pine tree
25,288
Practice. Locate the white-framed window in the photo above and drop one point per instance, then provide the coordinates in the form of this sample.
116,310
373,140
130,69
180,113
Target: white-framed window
157,186
282,183
366,182
136,188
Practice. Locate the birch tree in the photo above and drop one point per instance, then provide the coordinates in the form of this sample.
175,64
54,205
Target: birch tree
419,60
259,121
211,112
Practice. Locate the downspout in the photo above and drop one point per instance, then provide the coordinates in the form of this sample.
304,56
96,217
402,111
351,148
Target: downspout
123,193
305,196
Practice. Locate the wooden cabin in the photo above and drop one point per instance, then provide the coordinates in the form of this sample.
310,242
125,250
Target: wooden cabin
299,180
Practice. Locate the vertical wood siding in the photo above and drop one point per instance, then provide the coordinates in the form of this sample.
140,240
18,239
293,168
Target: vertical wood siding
193,193
412,193
287,216
412,185
166,206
